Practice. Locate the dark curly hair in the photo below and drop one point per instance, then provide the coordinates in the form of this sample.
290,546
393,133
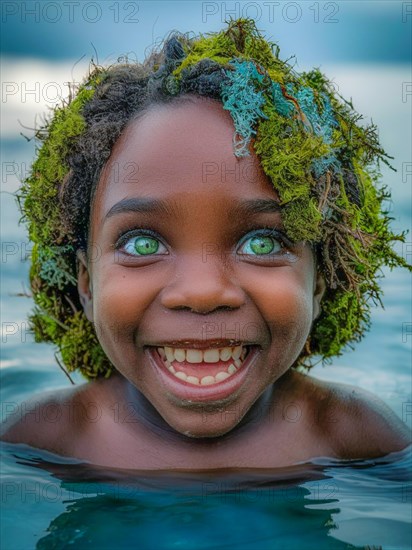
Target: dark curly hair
323,164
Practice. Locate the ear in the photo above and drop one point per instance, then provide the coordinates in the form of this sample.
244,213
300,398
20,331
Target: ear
84,284
318,292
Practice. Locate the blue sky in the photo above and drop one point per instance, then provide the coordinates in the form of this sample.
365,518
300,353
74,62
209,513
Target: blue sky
346,31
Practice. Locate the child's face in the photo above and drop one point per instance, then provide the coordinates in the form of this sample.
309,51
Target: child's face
202,274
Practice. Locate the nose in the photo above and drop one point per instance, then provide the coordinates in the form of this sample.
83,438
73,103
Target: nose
202,286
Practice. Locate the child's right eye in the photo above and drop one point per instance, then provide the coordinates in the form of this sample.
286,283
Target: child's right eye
142,243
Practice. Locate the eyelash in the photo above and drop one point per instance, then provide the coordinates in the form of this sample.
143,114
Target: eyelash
125,236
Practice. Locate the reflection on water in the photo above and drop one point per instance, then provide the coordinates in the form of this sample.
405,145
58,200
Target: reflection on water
327,504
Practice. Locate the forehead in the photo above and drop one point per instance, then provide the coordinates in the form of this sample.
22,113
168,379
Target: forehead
181,153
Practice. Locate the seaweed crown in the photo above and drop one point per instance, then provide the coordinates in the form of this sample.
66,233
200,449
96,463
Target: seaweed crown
323,163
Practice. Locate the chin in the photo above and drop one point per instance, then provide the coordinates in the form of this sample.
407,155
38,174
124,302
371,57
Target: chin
199,434
200,429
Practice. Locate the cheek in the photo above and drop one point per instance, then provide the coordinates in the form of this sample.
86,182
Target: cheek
285,302
120,299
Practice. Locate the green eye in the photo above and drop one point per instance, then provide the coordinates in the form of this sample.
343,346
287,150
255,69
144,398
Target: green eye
262,245
268,243
142,246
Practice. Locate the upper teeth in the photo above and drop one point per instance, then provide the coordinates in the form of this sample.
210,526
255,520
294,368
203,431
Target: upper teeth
199,356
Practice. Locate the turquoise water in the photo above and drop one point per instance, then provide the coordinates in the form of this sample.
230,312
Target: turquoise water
53,502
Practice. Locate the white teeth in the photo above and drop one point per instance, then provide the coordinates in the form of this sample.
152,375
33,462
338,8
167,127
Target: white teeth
221,376
169,354
231,369
180,355
207,380
194,356
211,356
170,367
225,354
198,356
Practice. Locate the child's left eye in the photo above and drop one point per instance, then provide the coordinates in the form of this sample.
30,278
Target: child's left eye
264,242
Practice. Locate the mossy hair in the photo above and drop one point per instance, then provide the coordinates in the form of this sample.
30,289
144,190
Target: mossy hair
322,162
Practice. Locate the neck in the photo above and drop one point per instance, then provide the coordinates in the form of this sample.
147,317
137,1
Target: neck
145,416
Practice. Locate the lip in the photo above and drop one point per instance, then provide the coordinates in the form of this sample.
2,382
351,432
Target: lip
185,391
202,344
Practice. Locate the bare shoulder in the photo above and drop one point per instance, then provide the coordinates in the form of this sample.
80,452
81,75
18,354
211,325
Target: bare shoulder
357,423
46,420
39,419
58,420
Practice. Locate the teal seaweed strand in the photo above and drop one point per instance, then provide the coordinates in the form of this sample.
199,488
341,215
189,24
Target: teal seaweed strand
246,91
244,102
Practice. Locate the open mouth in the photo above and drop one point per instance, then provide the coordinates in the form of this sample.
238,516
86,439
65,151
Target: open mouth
203,367
203,375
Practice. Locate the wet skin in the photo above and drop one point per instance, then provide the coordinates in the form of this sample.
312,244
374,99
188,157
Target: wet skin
204,279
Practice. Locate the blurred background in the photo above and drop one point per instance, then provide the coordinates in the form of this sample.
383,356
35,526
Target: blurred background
364,47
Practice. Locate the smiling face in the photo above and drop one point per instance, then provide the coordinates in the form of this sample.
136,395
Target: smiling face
177,255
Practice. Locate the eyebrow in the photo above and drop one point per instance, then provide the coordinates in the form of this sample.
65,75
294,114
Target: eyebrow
146,205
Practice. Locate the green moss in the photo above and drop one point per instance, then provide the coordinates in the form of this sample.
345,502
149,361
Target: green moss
302,220
39,192
54,268
80,349
287,152
52,278
240,39
343,319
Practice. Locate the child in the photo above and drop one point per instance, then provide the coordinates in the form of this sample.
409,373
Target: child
205,224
